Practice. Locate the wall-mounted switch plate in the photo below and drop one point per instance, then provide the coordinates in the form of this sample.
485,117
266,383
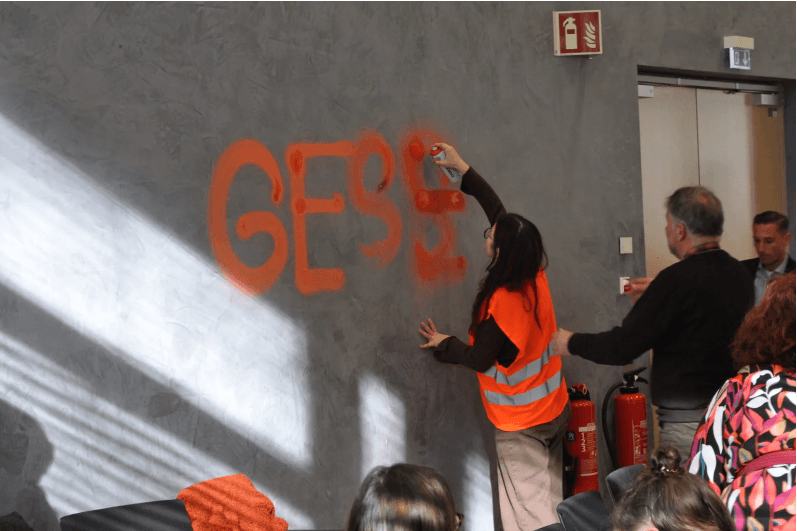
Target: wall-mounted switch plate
626,245
623,283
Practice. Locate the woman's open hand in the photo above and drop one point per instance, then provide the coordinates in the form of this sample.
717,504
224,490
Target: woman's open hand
452,160
429,331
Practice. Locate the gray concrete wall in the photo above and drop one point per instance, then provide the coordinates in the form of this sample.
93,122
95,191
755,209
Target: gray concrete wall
132,367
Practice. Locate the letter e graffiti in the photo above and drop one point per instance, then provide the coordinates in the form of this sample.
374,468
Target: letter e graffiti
312,280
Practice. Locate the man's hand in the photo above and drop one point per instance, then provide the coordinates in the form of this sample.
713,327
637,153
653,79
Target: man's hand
636,287
429,331
559,342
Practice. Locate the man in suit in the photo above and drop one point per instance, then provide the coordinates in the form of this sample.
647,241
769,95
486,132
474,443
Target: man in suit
771,237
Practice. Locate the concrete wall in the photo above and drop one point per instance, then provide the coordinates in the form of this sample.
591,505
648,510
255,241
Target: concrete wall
132,366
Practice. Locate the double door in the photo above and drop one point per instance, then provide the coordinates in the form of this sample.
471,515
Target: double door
719,139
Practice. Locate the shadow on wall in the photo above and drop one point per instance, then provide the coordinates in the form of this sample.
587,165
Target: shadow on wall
114,408
25,455
78,358
132,429
114,423
89,362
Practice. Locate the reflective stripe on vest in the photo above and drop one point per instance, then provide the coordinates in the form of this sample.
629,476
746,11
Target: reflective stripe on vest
531,369
524,399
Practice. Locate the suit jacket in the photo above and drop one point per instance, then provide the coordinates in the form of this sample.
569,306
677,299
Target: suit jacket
752,265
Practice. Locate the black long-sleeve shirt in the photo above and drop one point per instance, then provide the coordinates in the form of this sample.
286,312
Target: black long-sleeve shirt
490,343
688,316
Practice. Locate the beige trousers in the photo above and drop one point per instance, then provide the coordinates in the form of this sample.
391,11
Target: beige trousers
530,474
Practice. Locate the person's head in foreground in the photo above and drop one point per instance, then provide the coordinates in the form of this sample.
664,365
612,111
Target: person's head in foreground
767,333
403,497
664,497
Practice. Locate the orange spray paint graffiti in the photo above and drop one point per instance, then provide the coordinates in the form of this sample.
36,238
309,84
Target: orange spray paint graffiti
373,203
437,265
251,279
312,280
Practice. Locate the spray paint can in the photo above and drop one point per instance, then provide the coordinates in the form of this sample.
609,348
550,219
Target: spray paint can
453,175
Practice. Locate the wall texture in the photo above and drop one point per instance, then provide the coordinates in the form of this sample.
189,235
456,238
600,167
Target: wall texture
141,348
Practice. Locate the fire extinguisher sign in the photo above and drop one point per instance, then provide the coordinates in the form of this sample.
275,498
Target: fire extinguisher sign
577,33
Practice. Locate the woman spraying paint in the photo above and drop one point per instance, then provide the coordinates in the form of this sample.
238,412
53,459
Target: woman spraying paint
522,388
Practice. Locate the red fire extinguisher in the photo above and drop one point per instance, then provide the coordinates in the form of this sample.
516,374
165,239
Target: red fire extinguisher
631,421
580,441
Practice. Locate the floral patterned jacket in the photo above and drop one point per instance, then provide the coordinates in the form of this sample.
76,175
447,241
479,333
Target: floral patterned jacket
751,415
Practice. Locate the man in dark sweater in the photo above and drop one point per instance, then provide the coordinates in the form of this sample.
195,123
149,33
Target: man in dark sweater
771,237
688,316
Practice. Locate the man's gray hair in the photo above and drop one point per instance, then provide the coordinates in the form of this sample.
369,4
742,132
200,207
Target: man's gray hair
698,209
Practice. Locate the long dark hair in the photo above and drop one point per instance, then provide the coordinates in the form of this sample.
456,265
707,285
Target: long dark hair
671,499
519,261
403,497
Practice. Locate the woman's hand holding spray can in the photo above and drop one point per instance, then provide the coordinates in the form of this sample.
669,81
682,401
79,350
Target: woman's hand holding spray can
453,175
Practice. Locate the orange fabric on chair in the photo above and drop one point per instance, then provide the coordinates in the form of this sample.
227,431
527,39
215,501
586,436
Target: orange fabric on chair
230,503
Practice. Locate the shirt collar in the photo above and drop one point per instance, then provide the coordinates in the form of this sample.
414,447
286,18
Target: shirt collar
781,269
702,248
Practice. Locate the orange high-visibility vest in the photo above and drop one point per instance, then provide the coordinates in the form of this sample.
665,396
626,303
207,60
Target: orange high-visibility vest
531,391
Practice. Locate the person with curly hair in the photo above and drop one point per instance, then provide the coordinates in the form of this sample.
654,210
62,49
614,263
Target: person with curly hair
666,498
745,446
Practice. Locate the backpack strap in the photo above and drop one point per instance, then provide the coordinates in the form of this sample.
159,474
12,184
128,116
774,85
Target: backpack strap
782,457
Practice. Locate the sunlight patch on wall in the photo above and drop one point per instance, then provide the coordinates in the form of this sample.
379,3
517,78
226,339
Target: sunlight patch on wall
100,451
478,493
141,296
383,425
105,271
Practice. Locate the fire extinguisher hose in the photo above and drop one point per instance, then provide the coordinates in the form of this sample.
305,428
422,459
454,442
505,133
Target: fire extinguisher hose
605,423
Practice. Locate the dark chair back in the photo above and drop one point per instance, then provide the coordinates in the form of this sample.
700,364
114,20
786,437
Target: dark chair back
14,522
166,515
584,512
620,480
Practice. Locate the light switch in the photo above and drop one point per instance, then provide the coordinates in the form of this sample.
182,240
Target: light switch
623,283
626,245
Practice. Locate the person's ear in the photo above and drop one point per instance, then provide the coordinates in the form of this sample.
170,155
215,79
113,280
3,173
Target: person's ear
680,231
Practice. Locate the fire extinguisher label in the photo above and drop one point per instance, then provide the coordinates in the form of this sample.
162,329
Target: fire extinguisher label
641,442
588,466
581,444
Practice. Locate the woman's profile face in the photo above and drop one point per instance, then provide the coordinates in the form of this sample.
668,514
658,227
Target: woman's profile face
489,243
